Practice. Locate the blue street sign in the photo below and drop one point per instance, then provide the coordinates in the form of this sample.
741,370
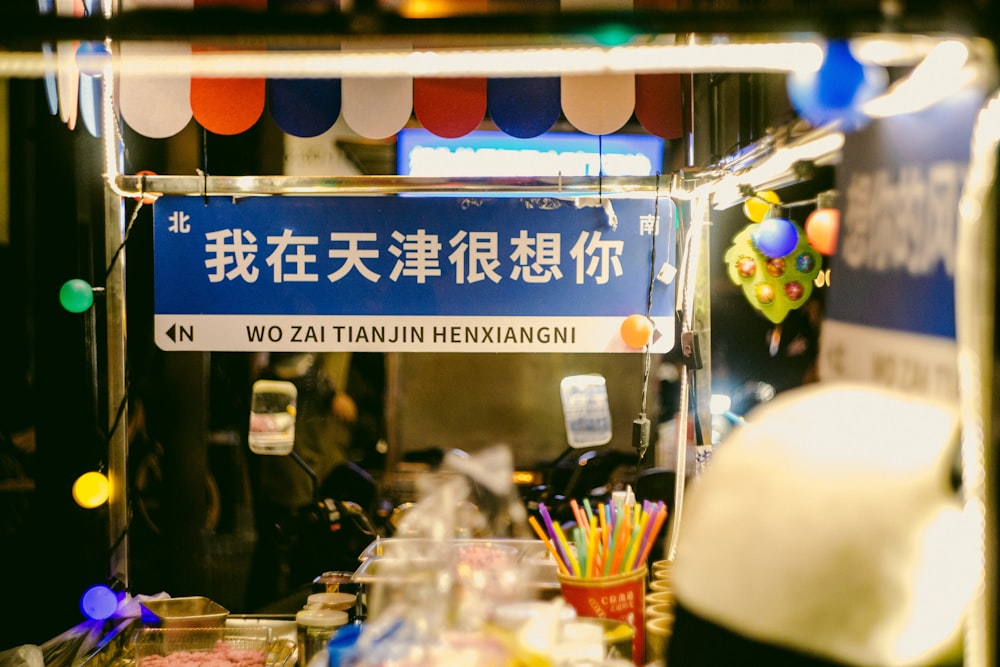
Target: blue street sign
395,273
890,309
899,186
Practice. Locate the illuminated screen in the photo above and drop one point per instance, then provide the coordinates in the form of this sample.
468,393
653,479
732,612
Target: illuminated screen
491,153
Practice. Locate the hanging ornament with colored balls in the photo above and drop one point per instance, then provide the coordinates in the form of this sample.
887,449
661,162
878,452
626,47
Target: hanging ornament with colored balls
774,265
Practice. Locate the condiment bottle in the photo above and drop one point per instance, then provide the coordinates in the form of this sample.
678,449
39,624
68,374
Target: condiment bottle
315,627
336,601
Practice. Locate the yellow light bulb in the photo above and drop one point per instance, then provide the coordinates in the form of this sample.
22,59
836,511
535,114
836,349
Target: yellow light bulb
91,490
757,207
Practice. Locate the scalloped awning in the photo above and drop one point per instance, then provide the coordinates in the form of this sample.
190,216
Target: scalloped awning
161,105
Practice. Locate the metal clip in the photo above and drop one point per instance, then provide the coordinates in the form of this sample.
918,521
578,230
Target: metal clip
691,350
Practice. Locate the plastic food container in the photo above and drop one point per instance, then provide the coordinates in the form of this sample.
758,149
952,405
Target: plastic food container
282,626
404,546
391,567
202,647
187,612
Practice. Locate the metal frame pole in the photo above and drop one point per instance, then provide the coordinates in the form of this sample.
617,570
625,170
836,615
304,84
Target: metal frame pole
117,390
975,321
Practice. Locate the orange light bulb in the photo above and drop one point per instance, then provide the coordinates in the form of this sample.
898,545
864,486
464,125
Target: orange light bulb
636,330
822,230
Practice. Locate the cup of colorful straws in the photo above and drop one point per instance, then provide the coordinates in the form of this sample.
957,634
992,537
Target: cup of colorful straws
602,559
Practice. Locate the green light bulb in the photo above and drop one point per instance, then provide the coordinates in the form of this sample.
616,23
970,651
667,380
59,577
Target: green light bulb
612,34
76,295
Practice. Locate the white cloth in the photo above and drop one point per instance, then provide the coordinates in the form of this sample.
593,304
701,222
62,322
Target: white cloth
828,524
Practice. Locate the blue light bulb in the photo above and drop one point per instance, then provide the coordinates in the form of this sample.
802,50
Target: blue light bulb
837,91
98,602
775,237
839,77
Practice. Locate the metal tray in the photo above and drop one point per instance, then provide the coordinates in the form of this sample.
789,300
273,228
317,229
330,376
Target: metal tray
187,612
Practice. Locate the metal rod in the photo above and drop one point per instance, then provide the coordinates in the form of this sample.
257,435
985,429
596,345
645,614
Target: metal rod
114,292
117,389
537,186
547,186
680,475
975,325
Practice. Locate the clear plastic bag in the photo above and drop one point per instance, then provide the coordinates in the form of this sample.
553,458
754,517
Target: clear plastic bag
26,655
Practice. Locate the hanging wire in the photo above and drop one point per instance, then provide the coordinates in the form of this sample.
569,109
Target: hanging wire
699,435
649,293
204,166
652,251
121,246
600,166
123,403
111,267
641,425
823,199
123,534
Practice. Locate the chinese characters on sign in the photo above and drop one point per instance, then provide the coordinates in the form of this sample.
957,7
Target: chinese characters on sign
890,315
535,259
405,273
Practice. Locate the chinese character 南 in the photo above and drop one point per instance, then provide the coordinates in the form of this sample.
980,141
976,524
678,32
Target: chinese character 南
297,258
418,256
231,247
536,259
604,255
476,258
649,224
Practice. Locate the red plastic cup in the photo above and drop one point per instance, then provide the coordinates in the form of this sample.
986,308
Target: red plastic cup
620,597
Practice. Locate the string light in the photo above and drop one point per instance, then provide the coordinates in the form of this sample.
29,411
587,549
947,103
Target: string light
835,93
99,602
775,237
822,226
636,330
91,489
760,204
76,295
